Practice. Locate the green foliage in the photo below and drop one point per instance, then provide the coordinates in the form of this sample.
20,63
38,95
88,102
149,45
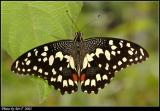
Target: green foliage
26,25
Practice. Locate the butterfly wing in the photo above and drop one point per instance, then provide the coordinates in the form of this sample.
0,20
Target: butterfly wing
52,62
106,56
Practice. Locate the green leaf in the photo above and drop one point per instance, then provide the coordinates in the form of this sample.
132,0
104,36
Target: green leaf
26,25
42,89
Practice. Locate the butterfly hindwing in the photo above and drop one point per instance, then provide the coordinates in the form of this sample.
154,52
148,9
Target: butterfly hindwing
104,57
52,62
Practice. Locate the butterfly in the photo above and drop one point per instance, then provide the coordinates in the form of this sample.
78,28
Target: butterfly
92,62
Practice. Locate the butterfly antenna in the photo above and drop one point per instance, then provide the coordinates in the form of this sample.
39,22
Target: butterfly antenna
72,20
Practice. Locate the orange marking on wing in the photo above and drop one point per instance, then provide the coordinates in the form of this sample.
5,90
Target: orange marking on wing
75,78
83,77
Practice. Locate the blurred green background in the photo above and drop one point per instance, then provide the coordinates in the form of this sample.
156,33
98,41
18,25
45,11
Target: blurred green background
26,25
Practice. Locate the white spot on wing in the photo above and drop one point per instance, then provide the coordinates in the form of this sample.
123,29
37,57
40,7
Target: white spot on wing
71,62
119,63
132,49
140,57
107,54
67,57
113,47
19,69
17,63
128,45
29,54
28,62
89,65
68,66
39,59
40,70
90,57
45,48
107,66
45,73
93,82
85,91
104,77
45,59
114,67
25,59
60,55
98,51
130,52
85,62
121,41
53,79
59,78
28,70
35,68
130,60
136,52
72,91
99,65
118,52
75,82
51,60
92,54
82,82
23,70
44,54
70,82
65,83
92,91
121,44
113,53
110,42
60,68
36,52
53,71
124,59
136,59
98,77
142,51
87,82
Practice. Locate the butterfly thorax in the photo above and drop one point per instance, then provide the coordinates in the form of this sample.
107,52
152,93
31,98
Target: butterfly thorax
78,50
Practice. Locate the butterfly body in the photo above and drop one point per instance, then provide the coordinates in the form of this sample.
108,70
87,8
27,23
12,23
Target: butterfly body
78,51
92,62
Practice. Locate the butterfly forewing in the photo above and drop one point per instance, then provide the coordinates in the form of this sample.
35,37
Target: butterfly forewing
52,62
104,57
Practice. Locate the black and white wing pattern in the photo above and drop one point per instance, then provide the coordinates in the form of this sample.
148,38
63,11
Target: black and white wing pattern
53,63
104,57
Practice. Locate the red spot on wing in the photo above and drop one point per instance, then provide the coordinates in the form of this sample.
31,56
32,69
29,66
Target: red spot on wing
83,77
75,77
